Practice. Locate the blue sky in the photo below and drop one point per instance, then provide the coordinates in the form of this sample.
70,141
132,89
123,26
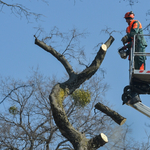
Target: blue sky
19,54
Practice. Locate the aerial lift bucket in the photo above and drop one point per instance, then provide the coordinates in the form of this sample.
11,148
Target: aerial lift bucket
139,83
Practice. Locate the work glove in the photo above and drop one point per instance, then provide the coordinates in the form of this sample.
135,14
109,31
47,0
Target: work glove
124,39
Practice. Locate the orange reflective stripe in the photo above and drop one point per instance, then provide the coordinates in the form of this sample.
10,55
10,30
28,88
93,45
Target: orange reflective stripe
140,27
142,67
135,25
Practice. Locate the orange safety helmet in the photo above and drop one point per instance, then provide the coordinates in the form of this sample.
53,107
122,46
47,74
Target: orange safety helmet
129,15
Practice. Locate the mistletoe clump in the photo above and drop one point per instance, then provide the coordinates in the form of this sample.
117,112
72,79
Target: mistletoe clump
81,97
13,110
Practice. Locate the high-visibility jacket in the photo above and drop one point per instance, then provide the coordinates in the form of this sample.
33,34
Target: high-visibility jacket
135,27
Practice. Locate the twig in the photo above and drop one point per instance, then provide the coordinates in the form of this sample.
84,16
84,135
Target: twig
14,90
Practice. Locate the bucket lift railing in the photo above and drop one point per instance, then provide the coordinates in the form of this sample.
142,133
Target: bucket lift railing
132,70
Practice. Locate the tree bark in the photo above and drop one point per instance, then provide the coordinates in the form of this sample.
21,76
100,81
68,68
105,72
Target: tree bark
114,115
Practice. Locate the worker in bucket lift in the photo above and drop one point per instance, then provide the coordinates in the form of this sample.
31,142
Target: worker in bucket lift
134,27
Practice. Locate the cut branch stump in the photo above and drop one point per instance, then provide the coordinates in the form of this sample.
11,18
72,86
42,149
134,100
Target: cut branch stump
111,113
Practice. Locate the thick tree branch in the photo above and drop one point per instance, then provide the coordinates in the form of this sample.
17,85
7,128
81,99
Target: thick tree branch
98,59
75,82
114,115
57,55
56,97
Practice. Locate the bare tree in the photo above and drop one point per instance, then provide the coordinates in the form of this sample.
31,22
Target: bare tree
62,90
27,122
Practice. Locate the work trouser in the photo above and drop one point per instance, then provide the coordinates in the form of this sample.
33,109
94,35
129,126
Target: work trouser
139,61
